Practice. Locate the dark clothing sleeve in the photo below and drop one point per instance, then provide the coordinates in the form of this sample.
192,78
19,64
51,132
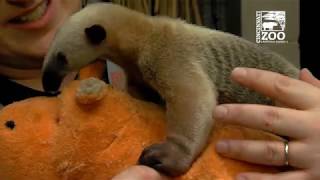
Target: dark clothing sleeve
11,91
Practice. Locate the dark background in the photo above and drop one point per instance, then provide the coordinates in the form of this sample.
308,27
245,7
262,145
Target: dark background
308,37
225,15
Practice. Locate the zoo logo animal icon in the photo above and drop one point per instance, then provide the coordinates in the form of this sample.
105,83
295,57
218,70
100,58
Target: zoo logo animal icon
273,21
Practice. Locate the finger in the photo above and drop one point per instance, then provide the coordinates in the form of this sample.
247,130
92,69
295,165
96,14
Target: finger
262,152
292,175
281,121
290,92
306,76
139,173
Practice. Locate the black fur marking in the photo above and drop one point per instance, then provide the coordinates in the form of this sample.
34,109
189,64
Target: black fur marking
54,73
10,124
61,59
96,34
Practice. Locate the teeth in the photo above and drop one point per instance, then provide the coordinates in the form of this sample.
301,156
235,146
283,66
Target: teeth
34,15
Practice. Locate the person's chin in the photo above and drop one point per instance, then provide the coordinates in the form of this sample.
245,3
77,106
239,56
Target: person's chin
33,38
25,56
39,48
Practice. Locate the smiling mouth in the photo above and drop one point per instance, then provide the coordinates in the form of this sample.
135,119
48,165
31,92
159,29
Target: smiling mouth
34,15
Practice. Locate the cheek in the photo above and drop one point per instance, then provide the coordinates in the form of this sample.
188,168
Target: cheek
8,10
70,6
5,14
35,43
16,43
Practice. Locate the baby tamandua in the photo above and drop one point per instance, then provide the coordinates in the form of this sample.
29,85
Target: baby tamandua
189,66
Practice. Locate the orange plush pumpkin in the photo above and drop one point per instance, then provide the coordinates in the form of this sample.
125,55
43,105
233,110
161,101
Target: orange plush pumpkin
60,138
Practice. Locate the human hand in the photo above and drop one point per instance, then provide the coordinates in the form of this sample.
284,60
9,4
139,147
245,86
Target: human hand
139,173
298,120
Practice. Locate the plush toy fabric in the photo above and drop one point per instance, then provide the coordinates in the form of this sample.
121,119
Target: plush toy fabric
71,137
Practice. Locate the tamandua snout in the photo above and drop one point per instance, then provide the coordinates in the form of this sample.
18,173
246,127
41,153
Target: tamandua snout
187,65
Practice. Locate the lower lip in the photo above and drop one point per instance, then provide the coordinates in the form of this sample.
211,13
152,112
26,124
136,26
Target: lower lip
37,24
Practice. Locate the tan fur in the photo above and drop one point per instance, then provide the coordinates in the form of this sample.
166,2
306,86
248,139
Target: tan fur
189,66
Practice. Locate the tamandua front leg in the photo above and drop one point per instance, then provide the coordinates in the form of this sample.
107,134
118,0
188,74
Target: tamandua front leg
190,100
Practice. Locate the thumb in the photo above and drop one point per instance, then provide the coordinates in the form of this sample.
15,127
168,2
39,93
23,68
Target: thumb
139,173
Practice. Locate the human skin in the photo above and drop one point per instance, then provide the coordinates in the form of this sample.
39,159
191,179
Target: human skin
139,172
21,56
297,119
22,50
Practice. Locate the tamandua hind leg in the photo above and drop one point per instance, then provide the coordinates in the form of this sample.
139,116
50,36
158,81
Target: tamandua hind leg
189,123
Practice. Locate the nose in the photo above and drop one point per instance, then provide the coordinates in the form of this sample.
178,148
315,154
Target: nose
54,72
20,3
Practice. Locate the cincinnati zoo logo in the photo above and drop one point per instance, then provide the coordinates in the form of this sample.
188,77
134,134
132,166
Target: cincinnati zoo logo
270,27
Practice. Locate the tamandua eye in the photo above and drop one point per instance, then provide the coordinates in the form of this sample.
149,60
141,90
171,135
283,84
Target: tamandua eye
61,59
95,34
10,124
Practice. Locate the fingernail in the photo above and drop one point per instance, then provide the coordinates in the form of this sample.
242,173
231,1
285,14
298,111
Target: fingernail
239,72
307,71
222,147
220,112
241,177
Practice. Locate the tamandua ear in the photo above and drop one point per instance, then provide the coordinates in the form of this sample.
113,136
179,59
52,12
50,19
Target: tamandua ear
95,34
